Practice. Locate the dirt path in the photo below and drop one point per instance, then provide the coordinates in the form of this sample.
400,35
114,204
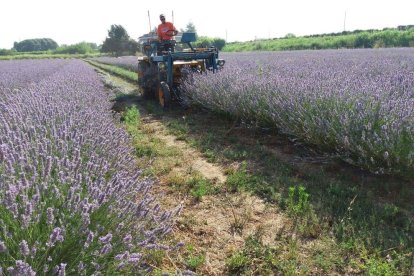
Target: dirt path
217,225
193,158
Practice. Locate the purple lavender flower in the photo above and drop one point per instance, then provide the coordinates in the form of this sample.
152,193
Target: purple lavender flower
23,268
50,216
24,248
86,219
106,239
134,258
122,256
62,269
81,267
105,249
89,239
127,238
3,247
56,236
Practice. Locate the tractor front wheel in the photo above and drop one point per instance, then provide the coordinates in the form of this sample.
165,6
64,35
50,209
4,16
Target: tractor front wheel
164,94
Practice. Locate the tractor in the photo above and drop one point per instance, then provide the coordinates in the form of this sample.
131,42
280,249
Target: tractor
162,70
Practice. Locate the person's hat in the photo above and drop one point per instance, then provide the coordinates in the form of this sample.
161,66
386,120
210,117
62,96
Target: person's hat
162,15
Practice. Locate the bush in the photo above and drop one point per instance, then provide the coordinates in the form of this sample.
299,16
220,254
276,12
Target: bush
204,41
6,52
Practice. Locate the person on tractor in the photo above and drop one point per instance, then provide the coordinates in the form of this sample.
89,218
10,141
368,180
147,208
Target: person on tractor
166,32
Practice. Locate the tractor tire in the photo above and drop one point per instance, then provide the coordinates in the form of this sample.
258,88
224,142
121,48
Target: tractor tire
164,95
145,79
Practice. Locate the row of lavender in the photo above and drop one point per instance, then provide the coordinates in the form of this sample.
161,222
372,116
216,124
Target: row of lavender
359,103
126,62
71,199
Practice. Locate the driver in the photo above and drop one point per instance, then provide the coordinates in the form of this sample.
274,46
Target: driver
166,30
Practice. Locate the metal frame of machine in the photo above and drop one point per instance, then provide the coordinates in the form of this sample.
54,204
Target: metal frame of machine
162,70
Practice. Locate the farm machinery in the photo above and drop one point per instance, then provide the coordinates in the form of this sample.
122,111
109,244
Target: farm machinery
162,70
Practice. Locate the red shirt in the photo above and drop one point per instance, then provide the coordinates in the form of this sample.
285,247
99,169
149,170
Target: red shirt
163,30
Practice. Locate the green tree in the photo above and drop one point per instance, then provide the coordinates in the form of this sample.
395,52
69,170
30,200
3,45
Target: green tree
190,28
7,52
36,44
117,40
204,41
219,43
79,48
363,40
132,46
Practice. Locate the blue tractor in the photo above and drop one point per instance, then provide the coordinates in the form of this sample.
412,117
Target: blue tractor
162,70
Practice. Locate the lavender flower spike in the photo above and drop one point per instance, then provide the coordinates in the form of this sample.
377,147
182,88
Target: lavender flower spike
56,236
24,248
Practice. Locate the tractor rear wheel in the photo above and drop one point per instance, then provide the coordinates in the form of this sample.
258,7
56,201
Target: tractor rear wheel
164,94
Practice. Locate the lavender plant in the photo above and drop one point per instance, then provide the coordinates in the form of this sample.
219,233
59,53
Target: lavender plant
358,103
126,62
71,198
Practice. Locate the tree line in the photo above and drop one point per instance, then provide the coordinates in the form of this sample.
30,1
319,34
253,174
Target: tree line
38,44
402,36
117,42
48,45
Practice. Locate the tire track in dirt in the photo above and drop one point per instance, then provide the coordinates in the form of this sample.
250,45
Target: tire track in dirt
194,158
218,224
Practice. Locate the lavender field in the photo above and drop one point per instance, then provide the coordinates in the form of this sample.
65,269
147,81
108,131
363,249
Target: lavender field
355,103
71,199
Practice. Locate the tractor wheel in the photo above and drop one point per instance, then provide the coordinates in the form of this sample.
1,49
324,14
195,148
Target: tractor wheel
143,67
144,81
164,95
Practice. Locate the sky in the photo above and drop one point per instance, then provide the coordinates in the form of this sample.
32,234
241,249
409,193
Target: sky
71,22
